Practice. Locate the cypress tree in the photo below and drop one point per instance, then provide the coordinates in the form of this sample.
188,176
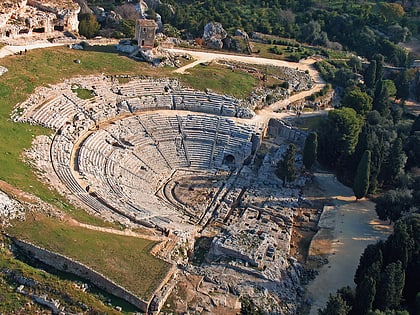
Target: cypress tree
361,181
310,150
286,169
365,295
370,75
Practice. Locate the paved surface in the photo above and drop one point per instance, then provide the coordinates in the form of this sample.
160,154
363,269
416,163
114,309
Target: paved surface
356,226
11,50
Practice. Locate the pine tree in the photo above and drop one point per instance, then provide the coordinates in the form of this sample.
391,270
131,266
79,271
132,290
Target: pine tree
361,181
286,169
310,150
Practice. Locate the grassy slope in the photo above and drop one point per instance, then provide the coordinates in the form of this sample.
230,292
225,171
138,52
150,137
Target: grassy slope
126,260
69,295
220,79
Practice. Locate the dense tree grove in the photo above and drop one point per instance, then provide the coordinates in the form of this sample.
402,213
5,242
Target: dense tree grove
354,25
387,278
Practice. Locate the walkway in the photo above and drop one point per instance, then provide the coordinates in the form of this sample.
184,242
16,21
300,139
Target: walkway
356,226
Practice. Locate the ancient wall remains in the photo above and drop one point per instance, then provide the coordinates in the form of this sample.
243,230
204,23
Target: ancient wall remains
279,130
25,18
66,264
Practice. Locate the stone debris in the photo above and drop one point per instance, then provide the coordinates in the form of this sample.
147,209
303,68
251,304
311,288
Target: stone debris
10,209
3,70
25,18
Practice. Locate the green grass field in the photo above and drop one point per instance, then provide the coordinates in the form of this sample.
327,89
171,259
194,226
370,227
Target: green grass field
220,79
125,260
53,286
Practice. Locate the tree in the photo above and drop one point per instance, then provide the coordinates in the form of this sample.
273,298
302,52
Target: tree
286,169
361,181
391,284
310,150
88,25
335,306
370,263
338,135
370,75
394,163
392,204
402,83
385,89
360,101
365,295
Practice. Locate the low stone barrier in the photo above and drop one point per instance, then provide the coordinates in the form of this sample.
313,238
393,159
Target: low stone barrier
66,264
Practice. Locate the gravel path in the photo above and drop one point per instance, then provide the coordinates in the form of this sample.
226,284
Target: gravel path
356,226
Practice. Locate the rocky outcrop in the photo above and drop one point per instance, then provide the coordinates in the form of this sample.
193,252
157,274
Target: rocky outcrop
25,18
213,35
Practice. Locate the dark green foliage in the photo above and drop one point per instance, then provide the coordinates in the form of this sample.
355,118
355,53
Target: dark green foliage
402,83
365,295
390,286
357,26
335,306
372,255
391,270
394,163
126,28
384,90
416,192
338,135
286,169
310,150
370,75
393,204
88,25
360,101
413,150
379,75
361,181
338,73
416,125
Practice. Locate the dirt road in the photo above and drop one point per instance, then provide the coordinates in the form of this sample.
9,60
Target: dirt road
356,226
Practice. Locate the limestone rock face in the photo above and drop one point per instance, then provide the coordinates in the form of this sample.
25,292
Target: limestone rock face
213,35
24,18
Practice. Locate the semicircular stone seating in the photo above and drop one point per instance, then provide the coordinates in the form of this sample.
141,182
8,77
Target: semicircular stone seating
115,150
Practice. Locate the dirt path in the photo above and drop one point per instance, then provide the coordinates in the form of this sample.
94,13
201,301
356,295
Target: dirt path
356,226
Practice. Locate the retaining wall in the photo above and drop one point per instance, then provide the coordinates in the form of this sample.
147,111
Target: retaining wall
66,264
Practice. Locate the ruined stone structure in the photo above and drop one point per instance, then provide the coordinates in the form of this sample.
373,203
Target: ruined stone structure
22,18
145,33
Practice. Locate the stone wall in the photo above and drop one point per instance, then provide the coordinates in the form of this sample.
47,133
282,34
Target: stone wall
280,131
66,264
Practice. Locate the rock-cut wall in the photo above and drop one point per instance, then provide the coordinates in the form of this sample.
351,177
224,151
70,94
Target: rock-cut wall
66,264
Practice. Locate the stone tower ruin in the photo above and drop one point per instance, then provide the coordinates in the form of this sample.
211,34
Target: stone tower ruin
145,33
